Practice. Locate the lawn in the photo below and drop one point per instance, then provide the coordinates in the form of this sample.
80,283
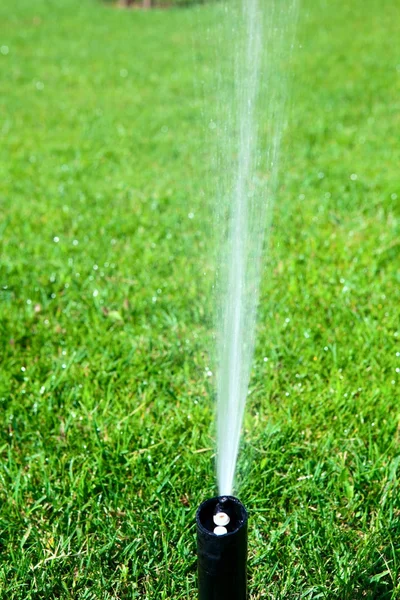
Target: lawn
106,400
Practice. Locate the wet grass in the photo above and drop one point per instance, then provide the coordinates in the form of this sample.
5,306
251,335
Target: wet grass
106,435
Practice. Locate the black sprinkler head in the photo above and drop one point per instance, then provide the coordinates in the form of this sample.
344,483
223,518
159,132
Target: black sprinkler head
222,549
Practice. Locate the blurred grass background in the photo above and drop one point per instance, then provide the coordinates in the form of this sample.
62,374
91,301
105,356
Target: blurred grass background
106,434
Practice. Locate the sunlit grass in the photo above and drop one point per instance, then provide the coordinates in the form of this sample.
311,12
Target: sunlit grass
106,438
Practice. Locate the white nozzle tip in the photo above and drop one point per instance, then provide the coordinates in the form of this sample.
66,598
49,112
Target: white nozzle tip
221,519
220,530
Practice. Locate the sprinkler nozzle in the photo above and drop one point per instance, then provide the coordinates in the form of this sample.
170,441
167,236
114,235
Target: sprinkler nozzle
221,519
222,549
219,530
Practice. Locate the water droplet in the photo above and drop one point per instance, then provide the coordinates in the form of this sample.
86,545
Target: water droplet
95,293
354,176
56,239
4,50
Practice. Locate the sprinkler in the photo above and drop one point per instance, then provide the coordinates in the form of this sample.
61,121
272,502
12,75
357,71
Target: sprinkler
222,549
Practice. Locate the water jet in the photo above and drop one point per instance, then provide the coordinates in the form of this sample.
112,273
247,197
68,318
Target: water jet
247,122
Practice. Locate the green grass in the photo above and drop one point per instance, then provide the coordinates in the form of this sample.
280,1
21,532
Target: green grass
106,431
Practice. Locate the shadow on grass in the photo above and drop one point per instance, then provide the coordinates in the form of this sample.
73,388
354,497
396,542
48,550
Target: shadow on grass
148,4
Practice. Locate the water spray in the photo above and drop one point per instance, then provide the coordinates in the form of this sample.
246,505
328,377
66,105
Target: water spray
222,549
256,40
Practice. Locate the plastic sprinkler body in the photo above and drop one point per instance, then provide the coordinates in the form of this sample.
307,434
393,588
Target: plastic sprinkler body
222,549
